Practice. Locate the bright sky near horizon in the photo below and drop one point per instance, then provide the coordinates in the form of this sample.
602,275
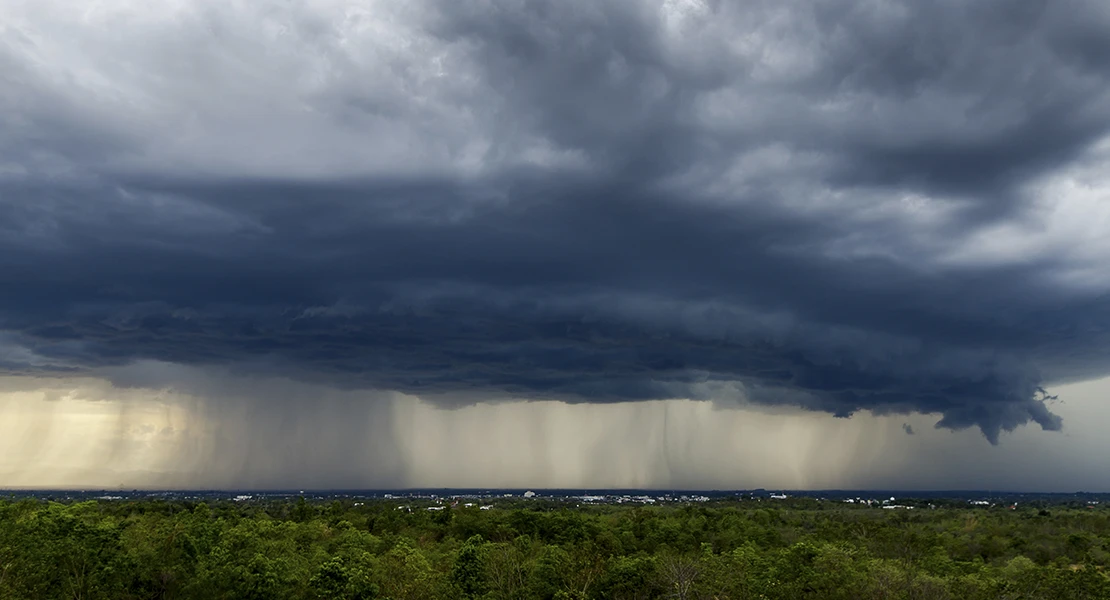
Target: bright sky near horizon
85,434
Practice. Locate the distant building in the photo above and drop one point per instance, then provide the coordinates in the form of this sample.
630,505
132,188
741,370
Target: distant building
529,494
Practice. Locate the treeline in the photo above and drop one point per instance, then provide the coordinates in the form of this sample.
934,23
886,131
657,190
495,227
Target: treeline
537,550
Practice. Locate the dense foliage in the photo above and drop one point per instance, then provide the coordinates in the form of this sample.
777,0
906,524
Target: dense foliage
547,550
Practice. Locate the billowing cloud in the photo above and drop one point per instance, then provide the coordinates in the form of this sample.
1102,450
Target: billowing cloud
852,206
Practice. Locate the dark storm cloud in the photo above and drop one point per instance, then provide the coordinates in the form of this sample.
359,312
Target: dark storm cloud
964,98
687,200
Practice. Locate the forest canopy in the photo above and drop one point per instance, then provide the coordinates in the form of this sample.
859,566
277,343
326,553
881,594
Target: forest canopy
342,549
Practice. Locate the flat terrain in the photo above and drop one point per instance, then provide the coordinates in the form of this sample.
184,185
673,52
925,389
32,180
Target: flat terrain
604,545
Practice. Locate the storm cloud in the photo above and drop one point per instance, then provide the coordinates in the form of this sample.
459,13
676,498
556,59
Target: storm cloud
843,206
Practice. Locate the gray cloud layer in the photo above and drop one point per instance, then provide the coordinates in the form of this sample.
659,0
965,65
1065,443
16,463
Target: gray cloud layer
844,206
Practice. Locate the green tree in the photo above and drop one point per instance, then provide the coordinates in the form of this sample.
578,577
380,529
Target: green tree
335,580
407,574
469,571
630,578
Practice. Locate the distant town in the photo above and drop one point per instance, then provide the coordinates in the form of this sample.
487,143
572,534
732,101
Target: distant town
438,499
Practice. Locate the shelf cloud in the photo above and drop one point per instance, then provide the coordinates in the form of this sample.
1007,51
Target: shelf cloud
892,207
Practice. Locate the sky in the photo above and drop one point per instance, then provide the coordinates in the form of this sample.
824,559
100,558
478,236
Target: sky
629,243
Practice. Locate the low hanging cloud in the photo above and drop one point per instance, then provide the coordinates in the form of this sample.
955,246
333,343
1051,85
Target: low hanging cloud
857,206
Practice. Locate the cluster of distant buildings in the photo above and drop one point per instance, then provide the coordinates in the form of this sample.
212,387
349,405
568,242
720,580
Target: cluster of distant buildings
487,499
888,503
455,505
640,498
457,501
